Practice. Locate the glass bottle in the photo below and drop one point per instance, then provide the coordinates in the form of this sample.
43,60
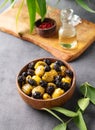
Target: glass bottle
67,32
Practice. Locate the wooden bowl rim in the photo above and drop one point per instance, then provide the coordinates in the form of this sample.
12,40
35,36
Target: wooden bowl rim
53,26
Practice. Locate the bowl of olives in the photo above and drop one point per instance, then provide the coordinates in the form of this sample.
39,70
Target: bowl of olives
46,83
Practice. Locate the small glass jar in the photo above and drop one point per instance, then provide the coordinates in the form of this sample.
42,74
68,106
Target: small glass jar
67,32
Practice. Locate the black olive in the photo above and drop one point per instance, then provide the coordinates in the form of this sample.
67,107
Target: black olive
43,83
69,73
21,79
24,74
32,82
47,68
58,78
37,95
60,63
47,61
30,72
65,86
57,67
31,65
58,84
50,89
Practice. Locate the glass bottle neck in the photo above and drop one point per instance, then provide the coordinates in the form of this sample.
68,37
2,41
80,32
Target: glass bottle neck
66,16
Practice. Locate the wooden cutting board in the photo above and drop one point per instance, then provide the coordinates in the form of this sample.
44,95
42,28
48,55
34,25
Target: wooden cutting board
85,33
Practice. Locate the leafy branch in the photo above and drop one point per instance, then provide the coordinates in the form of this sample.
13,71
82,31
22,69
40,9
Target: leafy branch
85,6
39,6
34,6
88,92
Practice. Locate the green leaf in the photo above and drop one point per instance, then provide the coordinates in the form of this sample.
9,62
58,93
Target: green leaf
85,6
62,126
4,3
42,8
79,121
83,103
88,91
37,8
65,111
12,1
19,10
66,45
31,4
55,115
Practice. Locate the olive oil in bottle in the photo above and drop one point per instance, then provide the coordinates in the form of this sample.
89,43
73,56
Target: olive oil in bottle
67,32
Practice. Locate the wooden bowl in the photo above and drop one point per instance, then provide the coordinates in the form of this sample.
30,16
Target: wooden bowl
49,103
45,31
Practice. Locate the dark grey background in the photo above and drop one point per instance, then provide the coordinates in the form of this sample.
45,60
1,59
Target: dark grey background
14,54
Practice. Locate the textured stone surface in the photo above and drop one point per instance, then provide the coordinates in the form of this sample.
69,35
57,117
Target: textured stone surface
15,53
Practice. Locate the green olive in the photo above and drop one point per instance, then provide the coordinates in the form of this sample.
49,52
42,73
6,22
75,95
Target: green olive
28,78
58,92
38,89
40,70
46,96
49,76
63,70
52,66
37,79
52,84
66,79
27,88
40,63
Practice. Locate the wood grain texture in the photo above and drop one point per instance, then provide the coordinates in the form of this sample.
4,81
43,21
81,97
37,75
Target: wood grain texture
85,33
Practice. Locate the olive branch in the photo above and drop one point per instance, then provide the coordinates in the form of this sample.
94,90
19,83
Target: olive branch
88,92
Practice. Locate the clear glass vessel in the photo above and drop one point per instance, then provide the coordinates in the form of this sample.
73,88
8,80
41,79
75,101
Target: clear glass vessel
67,32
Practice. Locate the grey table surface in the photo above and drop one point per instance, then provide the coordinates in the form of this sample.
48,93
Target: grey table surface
15,114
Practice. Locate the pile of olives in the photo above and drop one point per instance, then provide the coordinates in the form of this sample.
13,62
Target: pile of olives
45,79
